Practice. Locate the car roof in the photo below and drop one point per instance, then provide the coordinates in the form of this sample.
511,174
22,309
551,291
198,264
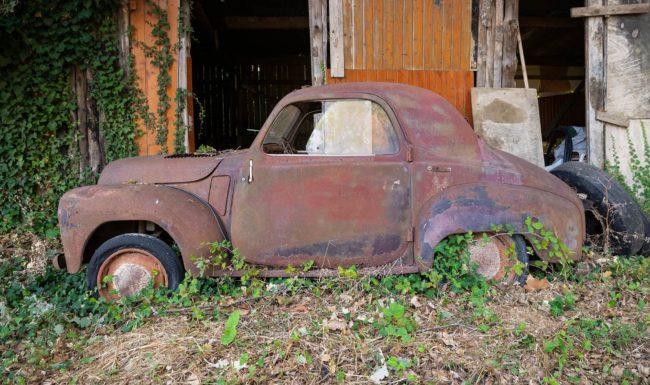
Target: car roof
428,120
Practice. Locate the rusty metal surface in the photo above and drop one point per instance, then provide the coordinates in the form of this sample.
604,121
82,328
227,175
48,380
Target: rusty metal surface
132,270
335,210
185,217
158,169
218,196
492,255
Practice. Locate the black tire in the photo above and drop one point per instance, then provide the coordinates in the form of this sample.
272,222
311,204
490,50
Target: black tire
645,249
522,257
152,245
606,204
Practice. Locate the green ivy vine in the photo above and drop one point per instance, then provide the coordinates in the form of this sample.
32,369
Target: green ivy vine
160,56
42,41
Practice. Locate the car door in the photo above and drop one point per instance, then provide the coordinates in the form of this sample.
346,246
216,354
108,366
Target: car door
329,183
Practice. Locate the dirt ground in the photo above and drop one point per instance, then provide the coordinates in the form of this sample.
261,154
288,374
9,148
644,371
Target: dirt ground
338,331
294,341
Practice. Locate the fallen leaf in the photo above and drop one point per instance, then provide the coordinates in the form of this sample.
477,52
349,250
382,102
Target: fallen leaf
299,308
606,274
325,357
448,340
415,303
58,358
379,374
533,284
617,371
192,380
335,324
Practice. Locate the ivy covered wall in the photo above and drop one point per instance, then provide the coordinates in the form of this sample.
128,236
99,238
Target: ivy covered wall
157,29
67,107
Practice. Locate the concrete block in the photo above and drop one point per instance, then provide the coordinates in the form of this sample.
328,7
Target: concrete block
508,119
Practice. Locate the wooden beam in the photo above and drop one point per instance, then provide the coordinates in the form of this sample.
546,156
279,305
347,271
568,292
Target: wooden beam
595,35
612,118
337,43
258,22
184,75
317,30
510,32
520,45
609,10
498,44
483,17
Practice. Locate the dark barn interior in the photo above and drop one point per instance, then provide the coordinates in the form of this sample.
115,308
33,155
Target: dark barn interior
246,55
555,57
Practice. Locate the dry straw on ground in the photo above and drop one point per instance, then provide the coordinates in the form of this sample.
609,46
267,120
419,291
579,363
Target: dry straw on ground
295,343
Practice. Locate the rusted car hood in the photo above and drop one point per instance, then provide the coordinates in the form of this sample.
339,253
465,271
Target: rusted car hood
159,169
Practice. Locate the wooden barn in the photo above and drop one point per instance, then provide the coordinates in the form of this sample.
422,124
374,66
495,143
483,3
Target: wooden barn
587,60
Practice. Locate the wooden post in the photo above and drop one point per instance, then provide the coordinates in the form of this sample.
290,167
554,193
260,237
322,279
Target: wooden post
523,59
86,117
337,64
595,35
484,11
510,33
317,30
184,75
497,59
123,45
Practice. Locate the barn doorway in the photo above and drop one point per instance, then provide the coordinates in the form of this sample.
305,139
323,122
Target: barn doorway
554,47
246,55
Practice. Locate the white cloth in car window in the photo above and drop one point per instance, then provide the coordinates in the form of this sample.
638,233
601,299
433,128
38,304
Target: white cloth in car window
345,128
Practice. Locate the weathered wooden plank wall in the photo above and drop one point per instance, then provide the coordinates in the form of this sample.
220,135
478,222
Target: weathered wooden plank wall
142,22
452,85
426,43
497,43
627,75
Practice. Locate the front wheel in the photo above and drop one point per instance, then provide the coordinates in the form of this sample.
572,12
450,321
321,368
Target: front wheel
496,256
128,263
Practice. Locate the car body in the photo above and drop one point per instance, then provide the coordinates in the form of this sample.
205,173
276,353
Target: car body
376,199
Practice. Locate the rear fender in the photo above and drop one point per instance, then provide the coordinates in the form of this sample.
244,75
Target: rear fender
189,220
477,207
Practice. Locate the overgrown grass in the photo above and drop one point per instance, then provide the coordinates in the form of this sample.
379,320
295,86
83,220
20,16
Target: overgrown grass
421,328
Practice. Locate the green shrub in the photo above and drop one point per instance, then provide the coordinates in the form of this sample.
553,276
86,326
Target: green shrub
640,187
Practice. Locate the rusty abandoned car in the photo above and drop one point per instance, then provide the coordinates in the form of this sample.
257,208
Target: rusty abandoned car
368,174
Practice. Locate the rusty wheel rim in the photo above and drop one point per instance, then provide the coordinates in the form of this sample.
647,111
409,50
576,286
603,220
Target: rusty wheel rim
493,256
132,271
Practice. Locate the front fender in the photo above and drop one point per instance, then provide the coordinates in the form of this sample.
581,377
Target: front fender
477,207
189,220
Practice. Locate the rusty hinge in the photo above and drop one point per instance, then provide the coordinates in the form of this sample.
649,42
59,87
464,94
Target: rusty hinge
409,234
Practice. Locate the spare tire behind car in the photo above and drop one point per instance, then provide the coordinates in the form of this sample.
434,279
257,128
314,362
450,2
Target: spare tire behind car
612,216
645,249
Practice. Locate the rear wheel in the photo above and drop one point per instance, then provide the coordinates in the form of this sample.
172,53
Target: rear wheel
132,261
613,219
497,255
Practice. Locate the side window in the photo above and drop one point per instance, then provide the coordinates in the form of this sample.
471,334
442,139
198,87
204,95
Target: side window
342,127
